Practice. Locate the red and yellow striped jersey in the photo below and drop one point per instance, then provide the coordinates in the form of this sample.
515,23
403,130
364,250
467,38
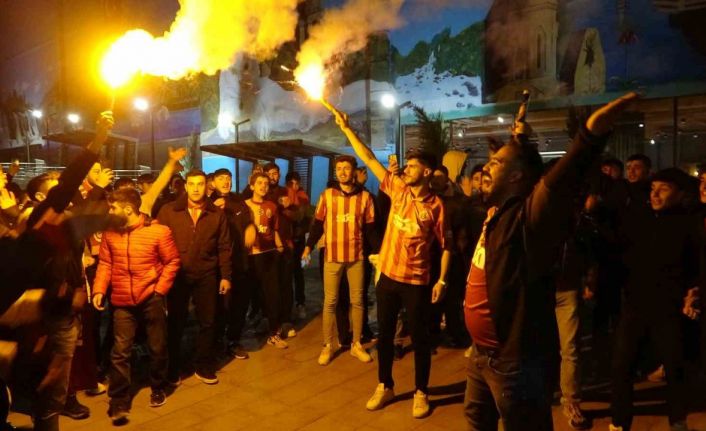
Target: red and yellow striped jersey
411,225
343,216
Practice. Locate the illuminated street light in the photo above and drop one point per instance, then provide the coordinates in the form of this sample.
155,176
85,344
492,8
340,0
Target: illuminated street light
73,118
36,113
141,104
501,120
388,101
652,141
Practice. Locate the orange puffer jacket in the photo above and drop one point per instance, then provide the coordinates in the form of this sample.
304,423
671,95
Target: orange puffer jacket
136,262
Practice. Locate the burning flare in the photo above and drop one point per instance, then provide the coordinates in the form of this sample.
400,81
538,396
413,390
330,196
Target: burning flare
205,36
312,79
341,31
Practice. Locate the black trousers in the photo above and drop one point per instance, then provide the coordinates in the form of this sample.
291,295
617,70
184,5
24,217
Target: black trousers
391,296
665,333
286,294
204,292
152,314
235,308
263,276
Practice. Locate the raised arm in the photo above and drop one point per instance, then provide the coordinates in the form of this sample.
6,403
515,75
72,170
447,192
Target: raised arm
60,196
172,165
550,203
361,150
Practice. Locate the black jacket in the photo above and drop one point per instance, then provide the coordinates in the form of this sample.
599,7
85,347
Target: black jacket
239,217
522,241
661,255
204,249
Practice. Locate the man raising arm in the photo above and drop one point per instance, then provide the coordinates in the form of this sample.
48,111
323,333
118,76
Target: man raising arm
416,217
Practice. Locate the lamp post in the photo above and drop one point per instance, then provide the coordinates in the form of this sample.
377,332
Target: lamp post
388,101
143,105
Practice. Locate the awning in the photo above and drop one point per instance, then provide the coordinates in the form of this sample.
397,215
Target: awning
269,150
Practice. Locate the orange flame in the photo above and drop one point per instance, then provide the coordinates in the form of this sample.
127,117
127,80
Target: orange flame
312,79
206,36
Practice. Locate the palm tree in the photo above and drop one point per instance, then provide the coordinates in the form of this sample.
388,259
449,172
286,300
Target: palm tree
433,132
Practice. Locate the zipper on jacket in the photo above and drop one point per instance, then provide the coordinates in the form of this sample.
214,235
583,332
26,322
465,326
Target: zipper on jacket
129,273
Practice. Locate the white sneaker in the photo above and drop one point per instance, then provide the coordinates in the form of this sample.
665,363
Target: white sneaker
301,311
612,427
359,352
98,390
420,406
292,333
276,341
325,356
467,353
381,397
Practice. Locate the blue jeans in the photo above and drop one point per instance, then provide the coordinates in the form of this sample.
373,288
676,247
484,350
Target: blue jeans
516,392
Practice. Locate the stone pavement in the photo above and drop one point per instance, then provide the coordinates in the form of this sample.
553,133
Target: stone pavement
287,390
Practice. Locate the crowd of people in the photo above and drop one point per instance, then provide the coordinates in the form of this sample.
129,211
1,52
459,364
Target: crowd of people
502,264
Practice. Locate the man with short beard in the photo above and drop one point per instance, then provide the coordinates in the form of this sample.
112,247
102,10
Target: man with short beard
139,262
345,215
416,218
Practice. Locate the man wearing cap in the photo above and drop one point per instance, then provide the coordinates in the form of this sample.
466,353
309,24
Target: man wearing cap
661,254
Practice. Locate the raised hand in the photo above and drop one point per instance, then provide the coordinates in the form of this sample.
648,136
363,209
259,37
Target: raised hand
176,154
105,177
104,125
601,121
7,199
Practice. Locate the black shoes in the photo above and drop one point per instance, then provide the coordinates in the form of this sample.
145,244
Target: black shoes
158,398
74,409
207,377
118,414
237,351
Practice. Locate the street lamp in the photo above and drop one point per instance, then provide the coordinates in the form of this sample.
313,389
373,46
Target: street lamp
73,118
143,105
36,113
388,101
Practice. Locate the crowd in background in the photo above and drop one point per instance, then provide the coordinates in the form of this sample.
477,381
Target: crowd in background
119,261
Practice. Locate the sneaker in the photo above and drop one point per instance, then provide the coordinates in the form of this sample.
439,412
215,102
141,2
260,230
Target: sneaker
158,398
658,375
679,426
420,406
237,351
98,390
577,420
118,414
74,409
325,355
291,333
467,353
301,311
612,427
399,352
207,377
278,342
359,352
381,397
